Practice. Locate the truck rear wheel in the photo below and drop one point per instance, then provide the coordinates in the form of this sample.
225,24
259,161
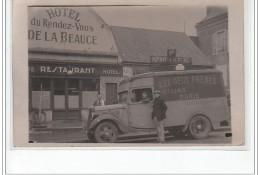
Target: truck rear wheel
199,127
106,132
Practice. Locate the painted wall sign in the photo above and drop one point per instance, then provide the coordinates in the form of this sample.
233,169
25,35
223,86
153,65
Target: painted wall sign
171,53
189,87
68,29
173,60
74,70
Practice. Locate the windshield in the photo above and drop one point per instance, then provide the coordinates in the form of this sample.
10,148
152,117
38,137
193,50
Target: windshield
123,97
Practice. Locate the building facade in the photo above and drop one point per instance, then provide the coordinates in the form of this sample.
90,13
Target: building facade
212,32
72,58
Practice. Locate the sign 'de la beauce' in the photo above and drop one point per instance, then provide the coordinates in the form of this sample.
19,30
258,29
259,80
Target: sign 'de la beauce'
60,25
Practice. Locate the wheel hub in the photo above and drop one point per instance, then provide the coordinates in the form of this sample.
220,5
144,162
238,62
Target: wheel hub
199,126
106,133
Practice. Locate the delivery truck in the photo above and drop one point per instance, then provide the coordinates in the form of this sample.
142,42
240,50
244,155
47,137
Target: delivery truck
196,101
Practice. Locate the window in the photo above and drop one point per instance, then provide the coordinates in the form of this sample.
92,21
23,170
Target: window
138,95
73,87
41,93
123,97
38,82
59,86
90,85
220,42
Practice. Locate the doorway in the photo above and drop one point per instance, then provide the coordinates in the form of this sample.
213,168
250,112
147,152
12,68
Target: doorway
111,93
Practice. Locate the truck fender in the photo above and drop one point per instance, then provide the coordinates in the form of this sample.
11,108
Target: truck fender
101,118
193,115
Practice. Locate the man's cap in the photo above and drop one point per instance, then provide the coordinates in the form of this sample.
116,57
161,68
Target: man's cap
145,92
158,92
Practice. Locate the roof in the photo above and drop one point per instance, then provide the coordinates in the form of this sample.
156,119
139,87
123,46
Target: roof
138,45
165,73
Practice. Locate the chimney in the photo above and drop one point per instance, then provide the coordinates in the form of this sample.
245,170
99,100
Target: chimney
217,9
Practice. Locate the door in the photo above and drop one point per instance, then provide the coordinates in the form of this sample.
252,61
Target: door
111,93
140,110
66,99
141,115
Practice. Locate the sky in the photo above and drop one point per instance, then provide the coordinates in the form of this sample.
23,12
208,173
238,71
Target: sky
178,19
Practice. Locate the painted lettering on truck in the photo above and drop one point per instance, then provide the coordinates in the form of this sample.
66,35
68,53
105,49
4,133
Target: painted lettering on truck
189,87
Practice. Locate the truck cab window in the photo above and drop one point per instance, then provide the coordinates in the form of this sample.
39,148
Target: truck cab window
143,95
123,97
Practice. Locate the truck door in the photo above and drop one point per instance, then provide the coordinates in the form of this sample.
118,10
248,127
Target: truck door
140,108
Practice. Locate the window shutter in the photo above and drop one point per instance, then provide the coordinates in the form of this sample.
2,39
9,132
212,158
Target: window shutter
214,44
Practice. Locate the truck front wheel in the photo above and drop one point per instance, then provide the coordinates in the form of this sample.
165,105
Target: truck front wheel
199,127
106,132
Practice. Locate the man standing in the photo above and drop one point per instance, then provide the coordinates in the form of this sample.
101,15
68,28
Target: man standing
99,101
159,111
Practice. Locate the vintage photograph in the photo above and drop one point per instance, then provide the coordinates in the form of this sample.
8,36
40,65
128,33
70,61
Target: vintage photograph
129,74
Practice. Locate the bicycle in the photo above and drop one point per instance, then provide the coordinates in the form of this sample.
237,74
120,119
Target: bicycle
35,118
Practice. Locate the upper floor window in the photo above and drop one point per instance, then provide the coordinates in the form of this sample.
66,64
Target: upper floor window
220,42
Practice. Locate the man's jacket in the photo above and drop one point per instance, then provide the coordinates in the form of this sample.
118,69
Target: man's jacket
159,109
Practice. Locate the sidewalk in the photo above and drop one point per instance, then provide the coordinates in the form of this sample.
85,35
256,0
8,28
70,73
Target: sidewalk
58,131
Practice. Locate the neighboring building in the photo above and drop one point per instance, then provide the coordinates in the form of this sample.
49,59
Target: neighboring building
136,48
72,58
213,39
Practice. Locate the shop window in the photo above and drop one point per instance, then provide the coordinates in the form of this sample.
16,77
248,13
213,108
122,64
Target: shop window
138,95
41,96
59,87
73,93
73,87
90,85
38,82
220,42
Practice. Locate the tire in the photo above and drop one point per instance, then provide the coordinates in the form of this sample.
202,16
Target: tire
106,132
199,127
91,137
39,119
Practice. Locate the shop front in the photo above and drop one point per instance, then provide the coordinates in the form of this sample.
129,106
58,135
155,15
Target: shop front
67,90
72,57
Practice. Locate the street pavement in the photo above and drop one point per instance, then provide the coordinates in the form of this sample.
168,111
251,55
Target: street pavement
81,137
73,132
213,138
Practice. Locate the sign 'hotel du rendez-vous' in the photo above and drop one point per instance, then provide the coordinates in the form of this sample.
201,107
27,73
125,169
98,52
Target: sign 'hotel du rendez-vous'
68,29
